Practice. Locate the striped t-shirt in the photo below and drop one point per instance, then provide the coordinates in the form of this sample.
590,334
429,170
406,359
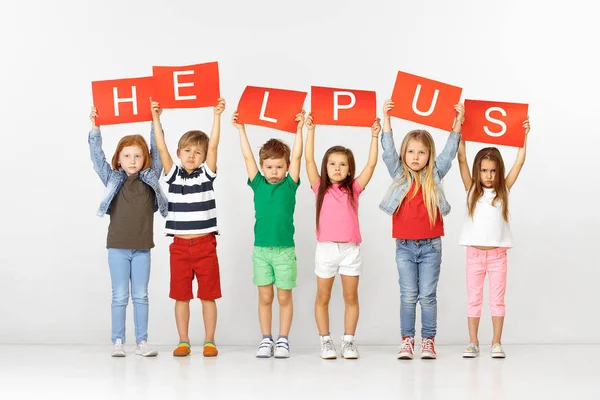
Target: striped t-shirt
192,208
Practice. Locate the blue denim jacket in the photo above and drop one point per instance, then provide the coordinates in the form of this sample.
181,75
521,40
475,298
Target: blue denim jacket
113,180
443,162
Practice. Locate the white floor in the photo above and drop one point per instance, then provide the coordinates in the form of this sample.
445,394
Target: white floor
88,372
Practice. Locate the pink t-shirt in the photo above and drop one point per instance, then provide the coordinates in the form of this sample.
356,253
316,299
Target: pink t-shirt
339,220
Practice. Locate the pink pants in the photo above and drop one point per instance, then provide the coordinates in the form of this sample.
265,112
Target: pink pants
480,262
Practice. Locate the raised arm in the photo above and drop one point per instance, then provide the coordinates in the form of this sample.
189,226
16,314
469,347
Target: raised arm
516,168
251,166
367,172
294,170
444,159
309,153
97,155
215,136
390,155
159,137
465,174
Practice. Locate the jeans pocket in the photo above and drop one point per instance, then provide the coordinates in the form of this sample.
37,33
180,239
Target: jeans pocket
436,245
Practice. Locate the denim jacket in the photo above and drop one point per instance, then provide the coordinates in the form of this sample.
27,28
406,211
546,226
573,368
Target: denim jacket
113,180
443,162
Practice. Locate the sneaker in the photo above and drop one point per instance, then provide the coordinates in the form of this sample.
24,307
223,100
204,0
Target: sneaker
282,348
407,349
327,348
471,351
118,349
498,351
142,349
349,350
428,349
265,348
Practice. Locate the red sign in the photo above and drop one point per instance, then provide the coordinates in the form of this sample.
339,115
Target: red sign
122,100
425,101
273,108
494,122
347,107
190,86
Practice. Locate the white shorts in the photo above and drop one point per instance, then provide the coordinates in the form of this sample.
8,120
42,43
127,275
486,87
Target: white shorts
331,257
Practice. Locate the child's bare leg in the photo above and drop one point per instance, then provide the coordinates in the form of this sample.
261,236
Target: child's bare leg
286,311
324,286
209,315
182,319
265,308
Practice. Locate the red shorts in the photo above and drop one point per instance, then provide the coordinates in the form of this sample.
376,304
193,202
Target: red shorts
195,257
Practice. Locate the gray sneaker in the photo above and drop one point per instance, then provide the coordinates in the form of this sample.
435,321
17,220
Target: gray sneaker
118,349
265,348
471,351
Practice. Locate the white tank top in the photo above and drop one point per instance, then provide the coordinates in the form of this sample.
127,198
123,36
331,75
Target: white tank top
487,227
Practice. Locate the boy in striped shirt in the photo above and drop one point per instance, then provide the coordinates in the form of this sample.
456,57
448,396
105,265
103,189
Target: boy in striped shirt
192,221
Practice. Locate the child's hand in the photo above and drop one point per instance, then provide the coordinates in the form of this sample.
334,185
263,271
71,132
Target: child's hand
460,112
310,124
220,107
93,116
300,119
234,119
526,125
155,108
376,128
387,106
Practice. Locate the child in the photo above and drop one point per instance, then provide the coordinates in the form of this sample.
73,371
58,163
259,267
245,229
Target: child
338,233
192,221
416,202
274,257
486,234
134,195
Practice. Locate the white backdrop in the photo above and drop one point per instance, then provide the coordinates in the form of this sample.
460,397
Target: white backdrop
54,279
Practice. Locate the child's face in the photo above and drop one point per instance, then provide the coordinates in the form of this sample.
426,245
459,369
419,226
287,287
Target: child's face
274,169
416,156
191,157
131,159
487,173
337,167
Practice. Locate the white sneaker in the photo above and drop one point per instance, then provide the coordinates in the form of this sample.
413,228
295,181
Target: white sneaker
327,348
265,348
118,349
142,349
471,351
282,348
349,350
498,351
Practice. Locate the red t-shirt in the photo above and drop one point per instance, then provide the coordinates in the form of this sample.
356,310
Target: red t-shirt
411,221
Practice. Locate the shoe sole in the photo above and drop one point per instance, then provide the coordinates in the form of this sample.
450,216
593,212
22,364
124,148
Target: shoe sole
350,358
328,358
181,355
280,357
117,355
264,356
470,355
428,357
147,355
498,355
405,357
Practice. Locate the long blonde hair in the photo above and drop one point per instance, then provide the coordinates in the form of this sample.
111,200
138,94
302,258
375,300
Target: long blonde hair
476,190
424,177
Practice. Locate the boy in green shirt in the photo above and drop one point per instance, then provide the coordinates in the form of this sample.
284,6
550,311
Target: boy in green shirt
274,257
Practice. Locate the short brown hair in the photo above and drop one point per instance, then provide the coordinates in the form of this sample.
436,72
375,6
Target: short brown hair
274,148
132,140
191,138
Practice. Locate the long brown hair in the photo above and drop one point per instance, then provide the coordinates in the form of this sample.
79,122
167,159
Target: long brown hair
325,183
424,177
476,190
132,140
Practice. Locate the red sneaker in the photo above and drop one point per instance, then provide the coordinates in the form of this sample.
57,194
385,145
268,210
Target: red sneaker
428,348
407,349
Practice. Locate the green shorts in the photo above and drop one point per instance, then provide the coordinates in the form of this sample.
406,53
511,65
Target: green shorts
274,265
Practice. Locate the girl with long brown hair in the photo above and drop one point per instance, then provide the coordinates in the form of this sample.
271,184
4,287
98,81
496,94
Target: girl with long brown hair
487,236
338,233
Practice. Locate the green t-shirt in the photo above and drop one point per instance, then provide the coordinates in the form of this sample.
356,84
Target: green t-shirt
274,211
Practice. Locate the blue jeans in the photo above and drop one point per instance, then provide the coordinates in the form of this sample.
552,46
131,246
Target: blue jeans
418,263
126,265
